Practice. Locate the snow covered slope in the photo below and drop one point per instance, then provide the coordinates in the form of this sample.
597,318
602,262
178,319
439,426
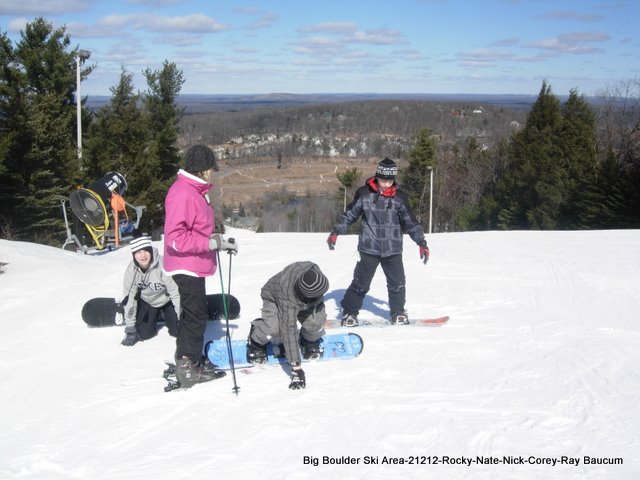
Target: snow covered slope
539,363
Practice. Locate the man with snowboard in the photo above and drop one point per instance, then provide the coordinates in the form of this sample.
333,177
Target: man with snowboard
386,214
149,295
296,294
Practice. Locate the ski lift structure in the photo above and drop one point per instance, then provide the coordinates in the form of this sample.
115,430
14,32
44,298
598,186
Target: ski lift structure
102,209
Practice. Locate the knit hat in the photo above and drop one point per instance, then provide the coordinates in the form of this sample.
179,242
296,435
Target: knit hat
387,169
141,243
313,283
200,158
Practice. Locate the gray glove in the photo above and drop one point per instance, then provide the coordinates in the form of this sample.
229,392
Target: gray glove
216,242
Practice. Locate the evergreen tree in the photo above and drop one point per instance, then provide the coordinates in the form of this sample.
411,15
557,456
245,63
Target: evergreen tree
13,136
616,194
416,176
552,167
530,193
38,113
161,159
578,142
164,115
118,134
348,179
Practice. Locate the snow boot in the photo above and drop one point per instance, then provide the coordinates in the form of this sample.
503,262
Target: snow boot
400,319
189,373
256,353
311,350
349,320
208,367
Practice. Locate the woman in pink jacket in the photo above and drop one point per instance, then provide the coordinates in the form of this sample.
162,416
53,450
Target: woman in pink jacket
190,246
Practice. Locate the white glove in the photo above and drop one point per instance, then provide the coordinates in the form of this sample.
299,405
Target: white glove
216,242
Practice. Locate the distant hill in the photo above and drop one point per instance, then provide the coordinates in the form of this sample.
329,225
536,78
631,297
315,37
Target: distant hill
203,103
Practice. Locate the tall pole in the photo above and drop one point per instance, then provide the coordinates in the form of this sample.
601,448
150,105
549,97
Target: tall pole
79,111
81,56
344,200
430,197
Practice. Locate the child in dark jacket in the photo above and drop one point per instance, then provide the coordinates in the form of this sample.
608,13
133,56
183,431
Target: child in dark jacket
386,214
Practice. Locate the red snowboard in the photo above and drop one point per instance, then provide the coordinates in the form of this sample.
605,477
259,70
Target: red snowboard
379,322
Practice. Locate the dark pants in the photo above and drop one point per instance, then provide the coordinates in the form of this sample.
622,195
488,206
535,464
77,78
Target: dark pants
147,318
193,316
363,274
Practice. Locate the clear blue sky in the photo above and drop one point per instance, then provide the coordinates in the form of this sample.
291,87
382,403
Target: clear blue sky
328,46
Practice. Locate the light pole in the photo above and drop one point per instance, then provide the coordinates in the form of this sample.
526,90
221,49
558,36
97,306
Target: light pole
430,196
344,198
81,56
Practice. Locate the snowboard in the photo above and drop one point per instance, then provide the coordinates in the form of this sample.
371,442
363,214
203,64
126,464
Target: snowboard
380,322
337,346
107,312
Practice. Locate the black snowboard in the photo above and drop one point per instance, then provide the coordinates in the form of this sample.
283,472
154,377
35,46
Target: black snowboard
106,312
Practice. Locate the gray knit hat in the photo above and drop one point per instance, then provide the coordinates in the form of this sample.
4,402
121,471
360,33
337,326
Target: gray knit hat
313,283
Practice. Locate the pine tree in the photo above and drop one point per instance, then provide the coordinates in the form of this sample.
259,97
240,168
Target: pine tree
416,176
530,193
348,179
164,115
548,183
14,138
578,141
118,134
617,189
161,159
38,114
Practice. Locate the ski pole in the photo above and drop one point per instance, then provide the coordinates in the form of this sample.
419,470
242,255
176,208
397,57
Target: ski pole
231,240
226,316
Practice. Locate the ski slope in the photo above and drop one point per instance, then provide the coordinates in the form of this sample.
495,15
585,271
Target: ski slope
535,373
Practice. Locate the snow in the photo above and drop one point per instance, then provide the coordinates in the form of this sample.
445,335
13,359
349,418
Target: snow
538,362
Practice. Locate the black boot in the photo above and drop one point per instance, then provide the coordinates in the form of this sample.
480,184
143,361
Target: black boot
400,318
311,350
188,373
256,353
208,367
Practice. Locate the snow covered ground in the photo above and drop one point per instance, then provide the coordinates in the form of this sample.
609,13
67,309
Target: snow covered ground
538,364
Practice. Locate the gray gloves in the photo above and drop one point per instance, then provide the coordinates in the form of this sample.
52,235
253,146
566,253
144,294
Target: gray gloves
216,242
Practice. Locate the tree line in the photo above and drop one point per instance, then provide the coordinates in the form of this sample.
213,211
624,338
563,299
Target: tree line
569,167
135,134
566,165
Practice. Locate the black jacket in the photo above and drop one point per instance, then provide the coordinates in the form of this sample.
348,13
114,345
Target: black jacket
385,217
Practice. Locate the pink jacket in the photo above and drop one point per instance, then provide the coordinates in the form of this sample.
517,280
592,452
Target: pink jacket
189,222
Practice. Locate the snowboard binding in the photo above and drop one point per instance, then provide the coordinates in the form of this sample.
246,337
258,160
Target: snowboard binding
169,374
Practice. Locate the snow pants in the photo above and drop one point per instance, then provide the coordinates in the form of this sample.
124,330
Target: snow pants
193,316
311,325
393,269
147,318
